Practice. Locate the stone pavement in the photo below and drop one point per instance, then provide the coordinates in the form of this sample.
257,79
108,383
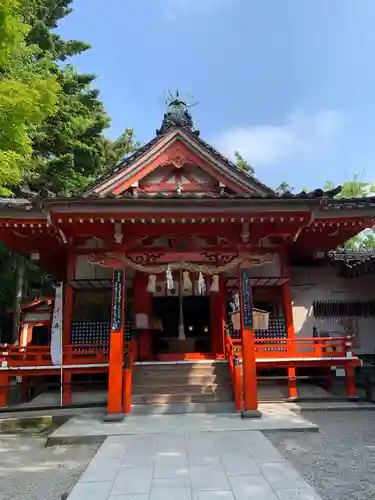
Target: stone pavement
191,466
91,428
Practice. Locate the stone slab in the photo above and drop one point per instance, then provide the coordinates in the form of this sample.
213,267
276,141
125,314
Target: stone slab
91,427
166,467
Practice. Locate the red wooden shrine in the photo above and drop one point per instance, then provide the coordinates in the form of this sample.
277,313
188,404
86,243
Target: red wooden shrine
176,207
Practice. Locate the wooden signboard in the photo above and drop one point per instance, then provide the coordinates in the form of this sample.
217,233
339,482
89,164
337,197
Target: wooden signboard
117,318
246,302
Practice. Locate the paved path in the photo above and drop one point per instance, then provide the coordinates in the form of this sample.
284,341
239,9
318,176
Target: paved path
191,466
87,428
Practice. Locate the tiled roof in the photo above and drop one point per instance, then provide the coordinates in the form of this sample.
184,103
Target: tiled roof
125,162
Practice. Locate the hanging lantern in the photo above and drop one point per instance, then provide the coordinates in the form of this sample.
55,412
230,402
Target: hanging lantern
201,284
169,278
187,284
151,287
215,283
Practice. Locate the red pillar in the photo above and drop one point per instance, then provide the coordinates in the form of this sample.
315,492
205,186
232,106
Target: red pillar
350,382
250,385
143,305
67,388
216,306
116,347
288,310
292,383
127,389
223,314
4,381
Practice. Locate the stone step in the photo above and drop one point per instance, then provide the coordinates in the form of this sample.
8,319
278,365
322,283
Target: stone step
181,373
179,398
181,364
182,389
182,408
180,380
182,368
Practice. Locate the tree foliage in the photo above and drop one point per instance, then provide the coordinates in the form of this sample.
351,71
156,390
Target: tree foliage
69,146
28,95
284,188
243,164
356,187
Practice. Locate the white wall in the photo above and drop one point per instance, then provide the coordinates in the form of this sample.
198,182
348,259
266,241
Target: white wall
314,283
85,270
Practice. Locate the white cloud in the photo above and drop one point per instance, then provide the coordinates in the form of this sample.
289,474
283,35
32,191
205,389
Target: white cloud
264,145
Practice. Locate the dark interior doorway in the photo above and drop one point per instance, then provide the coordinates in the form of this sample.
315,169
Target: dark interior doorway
197,319
41,335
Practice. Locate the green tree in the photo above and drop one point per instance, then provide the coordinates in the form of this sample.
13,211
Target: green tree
243,164
284,188
357,188
116,150
69,147
28,95
354,188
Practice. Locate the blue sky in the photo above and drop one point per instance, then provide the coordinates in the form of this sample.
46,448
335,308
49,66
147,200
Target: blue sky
289,83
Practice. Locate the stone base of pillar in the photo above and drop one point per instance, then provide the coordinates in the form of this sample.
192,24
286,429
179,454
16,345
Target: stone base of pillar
251,414
113,417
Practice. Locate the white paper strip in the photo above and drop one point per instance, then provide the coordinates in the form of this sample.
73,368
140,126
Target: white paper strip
56,332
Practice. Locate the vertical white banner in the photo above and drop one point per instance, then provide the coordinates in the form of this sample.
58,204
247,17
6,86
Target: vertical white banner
56,332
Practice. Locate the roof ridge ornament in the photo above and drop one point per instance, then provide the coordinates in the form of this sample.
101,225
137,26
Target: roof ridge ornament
177,114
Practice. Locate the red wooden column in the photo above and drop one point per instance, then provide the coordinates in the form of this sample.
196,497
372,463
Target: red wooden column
223,315
216,307
142,303
4,382
116,348
288,310
289,324
250,385
292,383
350,382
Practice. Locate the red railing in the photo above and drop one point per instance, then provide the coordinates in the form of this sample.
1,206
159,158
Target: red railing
80,354
302,347
74,354
14,356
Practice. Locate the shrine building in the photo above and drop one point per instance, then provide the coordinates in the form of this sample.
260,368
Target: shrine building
176,261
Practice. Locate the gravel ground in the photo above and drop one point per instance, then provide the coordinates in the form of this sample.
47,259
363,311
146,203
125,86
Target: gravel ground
29,471
339,461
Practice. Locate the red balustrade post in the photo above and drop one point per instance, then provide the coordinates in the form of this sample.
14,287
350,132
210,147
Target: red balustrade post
292,383
237,383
